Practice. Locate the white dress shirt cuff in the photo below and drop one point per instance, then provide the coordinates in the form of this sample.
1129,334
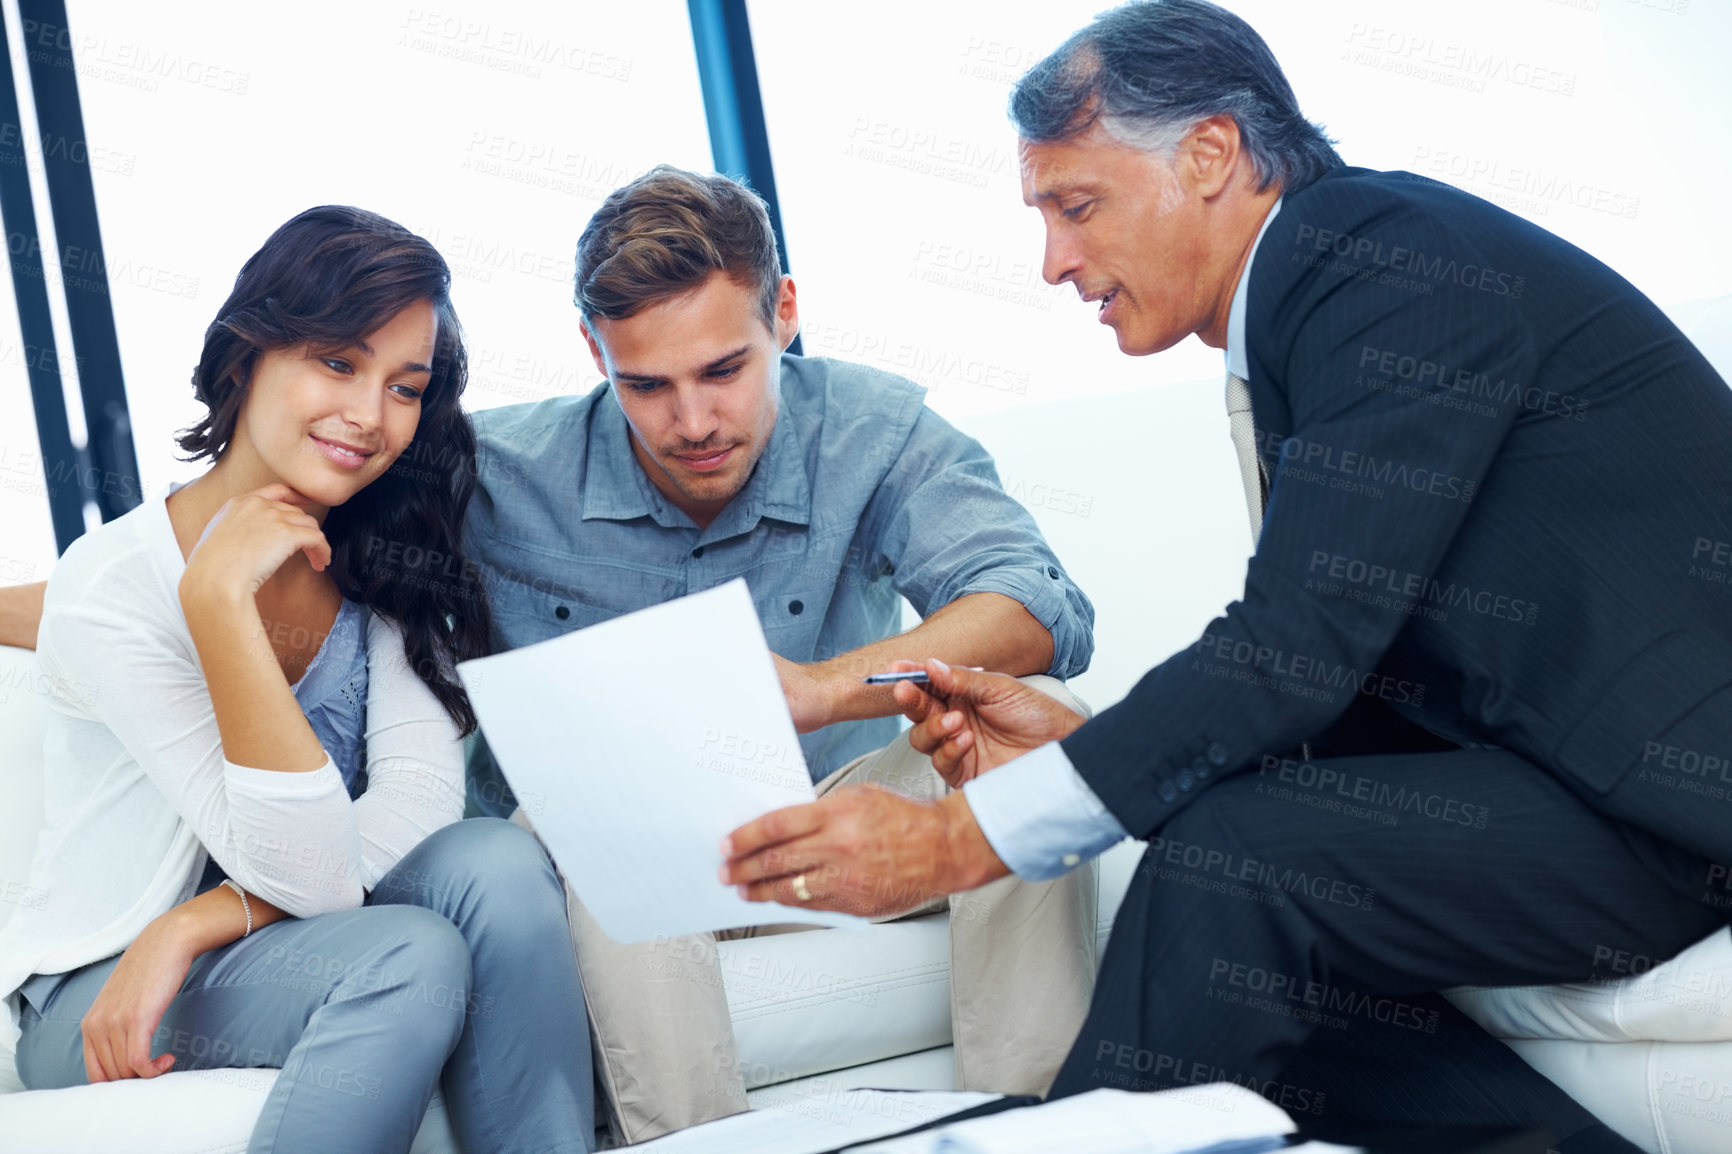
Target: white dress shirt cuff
1041,818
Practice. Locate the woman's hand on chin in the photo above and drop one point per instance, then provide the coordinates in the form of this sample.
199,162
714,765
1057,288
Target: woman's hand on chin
248,540
121,1023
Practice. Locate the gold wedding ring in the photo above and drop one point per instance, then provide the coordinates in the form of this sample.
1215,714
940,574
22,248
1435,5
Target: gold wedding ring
800,890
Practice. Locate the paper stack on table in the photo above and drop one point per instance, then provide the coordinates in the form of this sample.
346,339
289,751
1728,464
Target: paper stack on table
1222,1118
644,740
811,1124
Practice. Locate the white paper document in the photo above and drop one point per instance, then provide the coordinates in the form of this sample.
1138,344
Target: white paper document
807,1124
635,745
1221,1116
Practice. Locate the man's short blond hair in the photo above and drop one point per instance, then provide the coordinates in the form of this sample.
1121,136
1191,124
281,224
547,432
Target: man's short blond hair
666,233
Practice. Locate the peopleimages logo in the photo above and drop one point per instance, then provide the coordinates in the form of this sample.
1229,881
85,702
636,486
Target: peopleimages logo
1369,474
1286,671
1428,374
1322,995
1327,779
1200,859
1409,587
1525,189
1413,262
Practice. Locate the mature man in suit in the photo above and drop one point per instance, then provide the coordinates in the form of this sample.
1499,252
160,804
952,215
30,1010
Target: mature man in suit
1468,721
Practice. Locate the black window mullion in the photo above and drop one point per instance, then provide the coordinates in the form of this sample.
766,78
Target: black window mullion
62,468
113,475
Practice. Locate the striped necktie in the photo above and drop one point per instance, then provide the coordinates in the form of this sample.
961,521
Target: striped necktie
1244,431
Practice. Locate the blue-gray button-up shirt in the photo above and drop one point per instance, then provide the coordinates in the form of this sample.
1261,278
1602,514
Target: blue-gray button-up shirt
862,493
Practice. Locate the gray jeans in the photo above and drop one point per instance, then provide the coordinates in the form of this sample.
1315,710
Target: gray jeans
458,969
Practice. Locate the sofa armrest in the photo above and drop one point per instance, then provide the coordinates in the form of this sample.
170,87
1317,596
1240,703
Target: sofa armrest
1686,999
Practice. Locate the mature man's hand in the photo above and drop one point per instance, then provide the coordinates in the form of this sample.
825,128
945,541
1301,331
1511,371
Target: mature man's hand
969,722
860,850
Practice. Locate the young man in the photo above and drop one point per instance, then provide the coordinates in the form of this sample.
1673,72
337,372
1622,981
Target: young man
708,455
1480,463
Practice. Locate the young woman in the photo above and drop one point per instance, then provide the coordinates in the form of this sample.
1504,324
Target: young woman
255,776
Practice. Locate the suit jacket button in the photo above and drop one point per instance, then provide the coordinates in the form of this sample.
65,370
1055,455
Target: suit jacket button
1185,779
1168,791
1217,754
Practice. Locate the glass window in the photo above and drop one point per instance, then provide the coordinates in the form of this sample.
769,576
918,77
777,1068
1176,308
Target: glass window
492,129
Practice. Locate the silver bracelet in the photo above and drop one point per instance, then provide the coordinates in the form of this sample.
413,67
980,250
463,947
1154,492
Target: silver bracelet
245,905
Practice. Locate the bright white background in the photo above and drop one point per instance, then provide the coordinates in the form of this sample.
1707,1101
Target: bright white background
495,130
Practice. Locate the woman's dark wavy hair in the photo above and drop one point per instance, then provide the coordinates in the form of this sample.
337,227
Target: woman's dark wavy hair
326,279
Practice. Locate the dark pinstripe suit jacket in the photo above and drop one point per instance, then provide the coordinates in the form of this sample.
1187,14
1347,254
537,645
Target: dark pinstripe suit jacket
1501,501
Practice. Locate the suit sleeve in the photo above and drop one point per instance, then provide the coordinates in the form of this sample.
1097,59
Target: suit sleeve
1372,481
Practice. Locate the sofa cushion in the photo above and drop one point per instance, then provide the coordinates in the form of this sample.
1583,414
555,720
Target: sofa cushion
191,1112
812,1001
1686,999
21,710
927,1070
1666,1097
21,713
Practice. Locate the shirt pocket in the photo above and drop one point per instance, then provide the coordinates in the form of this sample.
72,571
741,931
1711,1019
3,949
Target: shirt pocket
538,596
792,619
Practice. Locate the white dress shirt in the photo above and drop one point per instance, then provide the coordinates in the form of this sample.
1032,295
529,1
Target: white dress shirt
1039,815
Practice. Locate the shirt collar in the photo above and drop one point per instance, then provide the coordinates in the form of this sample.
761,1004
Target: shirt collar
777,488
615,487
1238,363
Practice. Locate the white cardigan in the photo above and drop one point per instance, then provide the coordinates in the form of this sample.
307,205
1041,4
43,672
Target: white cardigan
138,791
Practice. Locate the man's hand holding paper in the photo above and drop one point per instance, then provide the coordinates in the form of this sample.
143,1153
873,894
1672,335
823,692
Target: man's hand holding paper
868,852
640,787
860,850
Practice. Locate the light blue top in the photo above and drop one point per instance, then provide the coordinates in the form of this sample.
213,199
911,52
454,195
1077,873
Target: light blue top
333,694
861,495
1037,812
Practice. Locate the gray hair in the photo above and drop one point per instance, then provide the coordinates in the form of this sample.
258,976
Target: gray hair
1148,72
